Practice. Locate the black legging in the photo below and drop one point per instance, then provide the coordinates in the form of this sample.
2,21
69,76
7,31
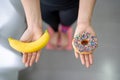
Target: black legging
55,17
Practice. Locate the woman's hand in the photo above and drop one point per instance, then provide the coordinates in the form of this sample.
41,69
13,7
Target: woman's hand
30,35
86,59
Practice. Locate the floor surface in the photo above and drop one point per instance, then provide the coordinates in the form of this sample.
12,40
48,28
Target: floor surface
62,65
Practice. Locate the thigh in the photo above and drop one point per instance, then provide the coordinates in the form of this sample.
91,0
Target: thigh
50,16
69,16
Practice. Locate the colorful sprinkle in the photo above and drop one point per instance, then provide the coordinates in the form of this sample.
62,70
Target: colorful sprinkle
92,42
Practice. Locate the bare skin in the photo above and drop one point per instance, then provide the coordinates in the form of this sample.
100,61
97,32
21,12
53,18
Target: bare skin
86,59
86,8
54,39
64,39
34,29
83,24
29,36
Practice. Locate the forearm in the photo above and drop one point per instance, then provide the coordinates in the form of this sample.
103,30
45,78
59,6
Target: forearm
86,8
32,12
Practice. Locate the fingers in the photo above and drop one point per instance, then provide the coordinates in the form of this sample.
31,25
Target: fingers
82,58
37,56
30,58
91,58
33,58
86,59
26,37
76,55
87,62
24,58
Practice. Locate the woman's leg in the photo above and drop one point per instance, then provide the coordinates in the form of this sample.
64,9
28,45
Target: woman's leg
51,17
67,18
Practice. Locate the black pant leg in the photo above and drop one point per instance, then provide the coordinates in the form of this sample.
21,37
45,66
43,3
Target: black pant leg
69,16
50,16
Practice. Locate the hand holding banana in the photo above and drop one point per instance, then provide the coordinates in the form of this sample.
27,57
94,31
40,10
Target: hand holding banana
29,47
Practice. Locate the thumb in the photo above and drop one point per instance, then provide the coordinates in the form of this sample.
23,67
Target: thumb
26,37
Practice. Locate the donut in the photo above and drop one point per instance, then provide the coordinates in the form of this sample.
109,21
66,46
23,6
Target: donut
84,43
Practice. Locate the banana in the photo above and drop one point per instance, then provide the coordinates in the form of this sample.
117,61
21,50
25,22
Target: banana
29,47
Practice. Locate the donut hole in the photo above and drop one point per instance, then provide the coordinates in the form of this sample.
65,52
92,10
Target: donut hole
84,42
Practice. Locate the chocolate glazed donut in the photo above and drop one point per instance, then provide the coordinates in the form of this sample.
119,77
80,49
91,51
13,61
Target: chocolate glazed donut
84,43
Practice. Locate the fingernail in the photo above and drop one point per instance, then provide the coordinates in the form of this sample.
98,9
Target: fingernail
76,57
83,63
26,65
36,61
23,61
30,65
87,66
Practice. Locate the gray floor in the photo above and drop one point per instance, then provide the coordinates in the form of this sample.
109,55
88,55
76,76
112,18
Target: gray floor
62,65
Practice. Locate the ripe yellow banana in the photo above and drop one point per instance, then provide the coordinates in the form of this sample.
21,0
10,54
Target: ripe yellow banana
30,46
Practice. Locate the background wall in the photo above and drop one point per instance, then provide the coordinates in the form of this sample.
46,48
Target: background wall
62,65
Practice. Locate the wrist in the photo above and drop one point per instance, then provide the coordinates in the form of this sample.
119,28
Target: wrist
83,22
36,30
35,25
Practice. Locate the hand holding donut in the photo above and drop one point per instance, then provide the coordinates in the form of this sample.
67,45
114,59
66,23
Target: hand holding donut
84,43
